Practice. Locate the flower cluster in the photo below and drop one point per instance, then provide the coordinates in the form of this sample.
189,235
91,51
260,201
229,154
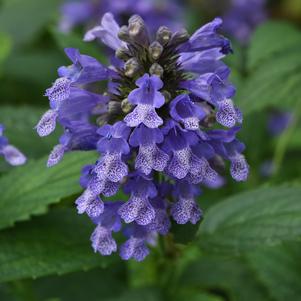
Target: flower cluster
164,125
243,17
11,154
154,12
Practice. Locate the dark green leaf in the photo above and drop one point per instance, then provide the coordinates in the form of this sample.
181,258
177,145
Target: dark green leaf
274,69
28,190
265,216
279,268
56,243
230,278
271,39
91,285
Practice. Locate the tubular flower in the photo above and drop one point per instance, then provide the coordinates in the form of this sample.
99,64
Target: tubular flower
154,12
162,126
10,153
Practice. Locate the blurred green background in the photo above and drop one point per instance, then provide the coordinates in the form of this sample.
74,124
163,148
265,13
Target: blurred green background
44,247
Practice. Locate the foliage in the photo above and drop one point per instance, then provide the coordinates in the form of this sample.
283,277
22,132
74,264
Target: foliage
246,248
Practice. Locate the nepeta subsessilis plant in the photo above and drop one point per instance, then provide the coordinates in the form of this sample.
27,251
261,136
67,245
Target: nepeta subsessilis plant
163,126
10,153
89,12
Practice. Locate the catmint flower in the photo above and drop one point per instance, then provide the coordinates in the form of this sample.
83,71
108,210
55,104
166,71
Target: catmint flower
160,135
88,12
243,17
10,153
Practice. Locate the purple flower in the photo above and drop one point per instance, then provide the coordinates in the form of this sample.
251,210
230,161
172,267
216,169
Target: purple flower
155,13
10,153
185,208
153,122
243,17
146,98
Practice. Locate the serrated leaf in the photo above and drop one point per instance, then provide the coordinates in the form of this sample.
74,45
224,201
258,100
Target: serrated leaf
274,69
274,83
279,269
271,39
261,217
56,243
28,190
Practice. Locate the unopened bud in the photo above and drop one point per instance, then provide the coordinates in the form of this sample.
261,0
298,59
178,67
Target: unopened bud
180,37
137,30
156,69
103,119
114,107
164,35
123,34
155,50
126,106
122,53
136,25
131,67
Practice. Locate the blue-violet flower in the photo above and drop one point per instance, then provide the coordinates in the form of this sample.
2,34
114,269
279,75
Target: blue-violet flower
88,12
163,124
10,153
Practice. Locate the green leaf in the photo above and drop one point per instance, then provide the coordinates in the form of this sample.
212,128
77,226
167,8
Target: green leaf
19,128
274,69
24,19
231,278
271,39
56,243
79,286
28,190
275,83
279,269
265,216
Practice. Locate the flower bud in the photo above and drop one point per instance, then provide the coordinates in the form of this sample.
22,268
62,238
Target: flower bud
131,67
114,107
180,37
156,69
122,53
123,34
164,35
155,50
137,30
126,106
